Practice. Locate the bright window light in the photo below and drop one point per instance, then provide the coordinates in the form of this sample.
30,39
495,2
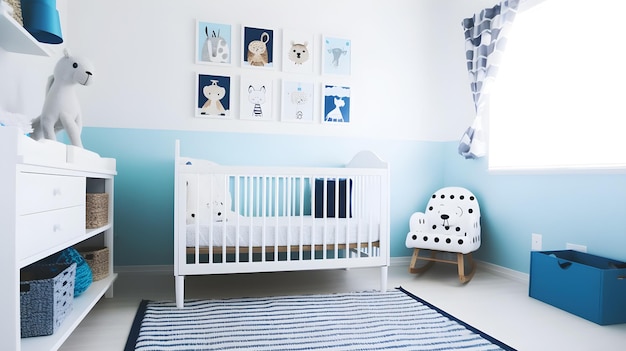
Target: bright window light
559,99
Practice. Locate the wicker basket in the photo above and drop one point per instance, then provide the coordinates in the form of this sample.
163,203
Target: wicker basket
46,297
97,211
17,10
98,261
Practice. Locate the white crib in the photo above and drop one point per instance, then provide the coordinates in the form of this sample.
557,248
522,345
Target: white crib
240,219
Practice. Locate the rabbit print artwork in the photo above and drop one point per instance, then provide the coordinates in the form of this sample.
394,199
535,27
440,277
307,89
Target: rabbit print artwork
257,51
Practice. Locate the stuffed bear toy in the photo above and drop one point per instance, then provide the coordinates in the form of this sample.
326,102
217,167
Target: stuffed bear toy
61,109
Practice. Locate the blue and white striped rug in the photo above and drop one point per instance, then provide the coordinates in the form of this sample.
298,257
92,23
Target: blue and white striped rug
393,320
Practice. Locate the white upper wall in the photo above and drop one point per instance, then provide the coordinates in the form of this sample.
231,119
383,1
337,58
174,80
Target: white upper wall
23,78
408,70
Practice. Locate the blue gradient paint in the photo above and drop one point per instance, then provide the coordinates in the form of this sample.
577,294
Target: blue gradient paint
585,209
144,186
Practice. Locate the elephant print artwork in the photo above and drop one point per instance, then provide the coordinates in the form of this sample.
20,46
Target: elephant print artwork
336,55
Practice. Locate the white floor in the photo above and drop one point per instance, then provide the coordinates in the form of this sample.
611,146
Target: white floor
493,303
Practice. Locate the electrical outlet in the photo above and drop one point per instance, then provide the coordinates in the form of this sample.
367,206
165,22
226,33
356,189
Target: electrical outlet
536,242
576,247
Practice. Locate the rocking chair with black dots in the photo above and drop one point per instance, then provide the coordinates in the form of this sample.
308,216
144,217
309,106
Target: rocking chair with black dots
449,231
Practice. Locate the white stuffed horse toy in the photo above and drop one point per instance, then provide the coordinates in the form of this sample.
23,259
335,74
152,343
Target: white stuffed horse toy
61,109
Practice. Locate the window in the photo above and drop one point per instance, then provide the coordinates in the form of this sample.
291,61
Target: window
559,99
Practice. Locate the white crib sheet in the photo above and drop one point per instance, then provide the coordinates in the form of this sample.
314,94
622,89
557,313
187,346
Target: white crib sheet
284,231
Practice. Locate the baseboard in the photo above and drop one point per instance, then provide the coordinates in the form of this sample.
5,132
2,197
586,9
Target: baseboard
485,266
504,272
400,261
394,261
145,269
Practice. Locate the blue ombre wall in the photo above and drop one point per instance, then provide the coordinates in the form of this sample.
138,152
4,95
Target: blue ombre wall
144,186
586,209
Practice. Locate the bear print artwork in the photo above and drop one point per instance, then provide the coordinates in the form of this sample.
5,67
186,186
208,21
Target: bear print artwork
299,52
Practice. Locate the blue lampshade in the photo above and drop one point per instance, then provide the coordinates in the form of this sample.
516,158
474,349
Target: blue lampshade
41,20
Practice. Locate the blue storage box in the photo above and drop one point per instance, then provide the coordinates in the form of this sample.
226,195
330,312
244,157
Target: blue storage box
345,202
586,285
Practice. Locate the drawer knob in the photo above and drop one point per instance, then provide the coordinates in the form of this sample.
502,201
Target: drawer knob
56,228
56,192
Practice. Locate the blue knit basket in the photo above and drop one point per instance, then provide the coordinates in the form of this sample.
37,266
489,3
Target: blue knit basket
84,276
46,297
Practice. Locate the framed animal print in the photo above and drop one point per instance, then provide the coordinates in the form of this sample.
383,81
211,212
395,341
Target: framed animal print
213,43
336,103
257,47
297,101
213,96
256,99
298,52
336,55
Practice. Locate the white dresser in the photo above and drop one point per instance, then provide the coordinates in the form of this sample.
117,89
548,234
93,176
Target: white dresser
43,187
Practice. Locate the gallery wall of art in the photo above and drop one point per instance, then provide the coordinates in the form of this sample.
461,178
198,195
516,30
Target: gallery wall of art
279,80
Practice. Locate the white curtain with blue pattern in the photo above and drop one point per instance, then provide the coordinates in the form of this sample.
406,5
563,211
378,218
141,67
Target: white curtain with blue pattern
485,39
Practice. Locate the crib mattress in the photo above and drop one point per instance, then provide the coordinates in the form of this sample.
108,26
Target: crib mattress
283,231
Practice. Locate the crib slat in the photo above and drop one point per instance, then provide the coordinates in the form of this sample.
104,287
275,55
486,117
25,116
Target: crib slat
197,222
250,198
275,194
288,213
324,213
265,215
301,213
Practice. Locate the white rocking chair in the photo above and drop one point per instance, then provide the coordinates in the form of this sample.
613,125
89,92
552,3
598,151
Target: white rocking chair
448,231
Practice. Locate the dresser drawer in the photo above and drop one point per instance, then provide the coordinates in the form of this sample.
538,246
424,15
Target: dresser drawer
47,230
44,192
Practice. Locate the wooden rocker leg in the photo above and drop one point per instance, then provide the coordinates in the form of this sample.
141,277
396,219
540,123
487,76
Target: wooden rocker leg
464,278
413,265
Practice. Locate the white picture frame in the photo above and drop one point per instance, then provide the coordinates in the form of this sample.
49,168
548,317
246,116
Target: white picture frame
297,99
336,55
256,98
257,48
213,96
298,54
335,104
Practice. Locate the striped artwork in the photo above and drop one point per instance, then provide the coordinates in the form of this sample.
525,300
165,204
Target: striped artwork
372,320
485,39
